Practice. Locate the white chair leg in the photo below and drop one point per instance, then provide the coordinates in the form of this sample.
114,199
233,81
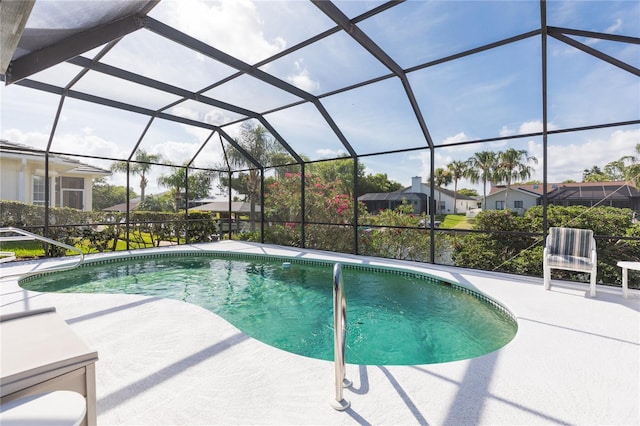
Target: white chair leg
546,277
592,284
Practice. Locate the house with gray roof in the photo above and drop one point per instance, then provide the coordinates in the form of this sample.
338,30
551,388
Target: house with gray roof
22,177
619,194
418,195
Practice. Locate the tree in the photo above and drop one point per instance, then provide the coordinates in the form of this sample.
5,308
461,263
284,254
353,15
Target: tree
106,195
377,183
441,177
457,169
325,204
468,192
482,169
140,167
514,164
339,171
156,203
199,184
627,168
595,174
634,167
257,142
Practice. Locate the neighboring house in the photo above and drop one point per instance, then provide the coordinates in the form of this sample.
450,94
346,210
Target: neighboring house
376,202
22,172
418,195
122,207
518,200
614,194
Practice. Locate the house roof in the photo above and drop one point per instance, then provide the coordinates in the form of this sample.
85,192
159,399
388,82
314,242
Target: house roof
599,191
223,207
16,150
538,188
122,207
392,196
501,189
445,191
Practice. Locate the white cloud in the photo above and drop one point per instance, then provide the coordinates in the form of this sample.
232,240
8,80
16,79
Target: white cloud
184,112
614,28
330,153
505,131
534,126
460,137
567,161
218,22
302,79
33,139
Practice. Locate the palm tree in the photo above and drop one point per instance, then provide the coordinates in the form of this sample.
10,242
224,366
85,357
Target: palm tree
142,165
457,170
263,148
513,164
481,168
441,177
199,185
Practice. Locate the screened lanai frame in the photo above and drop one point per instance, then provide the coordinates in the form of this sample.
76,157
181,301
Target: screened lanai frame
105,29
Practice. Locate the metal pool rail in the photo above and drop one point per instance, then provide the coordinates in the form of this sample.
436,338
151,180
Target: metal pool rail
339,334
7,256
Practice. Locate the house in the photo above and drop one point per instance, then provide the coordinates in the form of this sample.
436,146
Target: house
518,199
418,195
619,194
122,207
377,201
22,173
612,194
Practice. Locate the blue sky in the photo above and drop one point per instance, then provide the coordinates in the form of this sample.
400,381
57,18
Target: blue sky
490,94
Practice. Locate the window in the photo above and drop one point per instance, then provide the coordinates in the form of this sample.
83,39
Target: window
72,194
72,183
500,205
518,204
38,190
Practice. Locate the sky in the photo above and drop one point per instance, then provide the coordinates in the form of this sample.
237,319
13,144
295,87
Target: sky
486,95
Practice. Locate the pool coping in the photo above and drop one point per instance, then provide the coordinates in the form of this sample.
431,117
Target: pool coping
574,360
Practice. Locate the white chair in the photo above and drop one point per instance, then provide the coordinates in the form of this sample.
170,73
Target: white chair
570,249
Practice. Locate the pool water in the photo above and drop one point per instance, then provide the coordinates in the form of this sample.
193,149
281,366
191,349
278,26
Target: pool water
392,319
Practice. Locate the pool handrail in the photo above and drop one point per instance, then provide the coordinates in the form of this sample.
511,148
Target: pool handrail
339,334
29,236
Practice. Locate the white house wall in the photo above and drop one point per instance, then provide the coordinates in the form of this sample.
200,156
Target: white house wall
462,205
528,200
17,180
10,172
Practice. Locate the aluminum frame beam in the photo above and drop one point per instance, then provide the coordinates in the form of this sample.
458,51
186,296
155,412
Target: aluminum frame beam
184,94
133,108
560,35
348,26
74,45
194,44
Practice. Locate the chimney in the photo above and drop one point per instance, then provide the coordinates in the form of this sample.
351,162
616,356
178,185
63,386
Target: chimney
416,184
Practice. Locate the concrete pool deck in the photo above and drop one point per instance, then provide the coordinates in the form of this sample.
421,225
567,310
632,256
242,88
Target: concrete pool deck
574,360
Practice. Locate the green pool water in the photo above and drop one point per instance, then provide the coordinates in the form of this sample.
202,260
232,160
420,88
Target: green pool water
392,319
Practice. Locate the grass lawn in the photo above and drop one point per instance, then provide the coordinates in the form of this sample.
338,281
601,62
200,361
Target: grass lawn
24,249
456,221
35,249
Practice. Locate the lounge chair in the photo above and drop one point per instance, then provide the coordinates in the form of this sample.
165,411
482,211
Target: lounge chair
570,249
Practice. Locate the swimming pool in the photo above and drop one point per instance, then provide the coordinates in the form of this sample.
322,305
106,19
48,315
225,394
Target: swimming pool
394,317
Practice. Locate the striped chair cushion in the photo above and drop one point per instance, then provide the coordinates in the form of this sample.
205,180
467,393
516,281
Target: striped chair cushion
569,247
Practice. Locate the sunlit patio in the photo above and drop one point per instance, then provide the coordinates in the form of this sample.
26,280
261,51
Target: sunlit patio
574,360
